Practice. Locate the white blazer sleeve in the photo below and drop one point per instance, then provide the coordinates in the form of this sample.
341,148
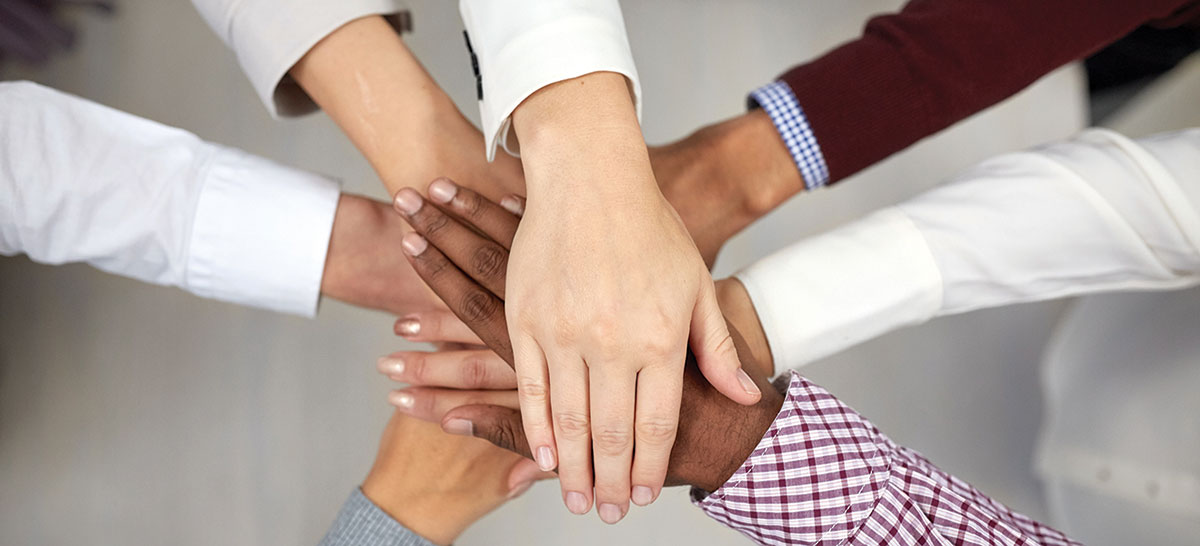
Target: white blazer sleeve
270,36
84,183
1097,213
521,46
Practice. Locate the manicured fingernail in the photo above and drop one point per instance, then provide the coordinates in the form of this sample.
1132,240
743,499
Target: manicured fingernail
401,400
747,383
442,190
461,427
519,490
408,326
545,458
642,495
407,201
512,204
610,513
390,365
414,244
577,503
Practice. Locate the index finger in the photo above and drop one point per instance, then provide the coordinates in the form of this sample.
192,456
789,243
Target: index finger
478,308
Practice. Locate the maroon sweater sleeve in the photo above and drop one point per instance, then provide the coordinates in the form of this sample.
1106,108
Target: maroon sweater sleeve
936,62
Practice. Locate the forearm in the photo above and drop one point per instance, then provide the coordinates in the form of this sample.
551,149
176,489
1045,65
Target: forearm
846,482
936,62
371,85
1096,214
364,77
86,183
435,499
726,176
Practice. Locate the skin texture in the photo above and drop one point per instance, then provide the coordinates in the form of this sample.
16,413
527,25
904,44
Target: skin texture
719,179
715,434
438,484
365,266
599,338
364,77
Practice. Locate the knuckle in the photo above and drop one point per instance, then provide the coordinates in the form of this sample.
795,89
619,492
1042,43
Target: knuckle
477,306
572,425
474,372
655,431
532,391
433,265
470,204
502,434
433,221
416,369
488,261
565,333
611,441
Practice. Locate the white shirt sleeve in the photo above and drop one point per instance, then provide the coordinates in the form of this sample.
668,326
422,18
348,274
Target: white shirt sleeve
524,45
82,182
1097,213
270,36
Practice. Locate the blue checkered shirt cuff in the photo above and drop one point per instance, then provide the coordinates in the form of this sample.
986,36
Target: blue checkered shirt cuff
780,104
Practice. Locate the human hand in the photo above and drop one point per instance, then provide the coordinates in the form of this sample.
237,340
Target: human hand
365,266
605,287
438,484
725,176
448,259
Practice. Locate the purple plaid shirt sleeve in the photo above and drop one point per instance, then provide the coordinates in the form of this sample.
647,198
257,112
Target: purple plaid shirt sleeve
780,104
824,475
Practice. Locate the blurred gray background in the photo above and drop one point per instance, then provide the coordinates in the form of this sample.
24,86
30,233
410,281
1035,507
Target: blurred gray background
132,414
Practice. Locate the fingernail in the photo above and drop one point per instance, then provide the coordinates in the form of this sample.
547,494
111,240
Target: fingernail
642,495
442,190
577,503
747,383
390,366
408,326
401,400
512,204
545,458
519,490
461,427
414,244
407,201
610,513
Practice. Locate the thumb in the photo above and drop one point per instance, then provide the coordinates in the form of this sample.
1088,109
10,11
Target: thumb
523,475
715,352
497,424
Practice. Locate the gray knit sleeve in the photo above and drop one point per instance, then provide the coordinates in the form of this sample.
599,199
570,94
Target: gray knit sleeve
361,523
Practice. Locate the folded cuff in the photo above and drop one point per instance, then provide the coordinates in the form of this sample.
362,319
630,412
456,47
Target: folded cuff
565,48
261,234
268,41
830,292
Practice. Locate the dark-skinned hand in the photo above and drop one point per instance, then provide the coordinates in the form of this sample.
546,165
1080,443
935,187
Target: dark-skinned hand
460,249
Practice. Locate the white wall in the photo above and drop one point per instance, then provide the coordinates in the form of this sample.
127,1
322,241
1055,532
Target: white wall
132,414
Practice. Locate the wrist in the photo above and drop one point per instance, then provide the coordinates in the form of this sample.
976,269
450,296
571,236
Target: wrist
584,125
436,491
726,176
360,226
739,311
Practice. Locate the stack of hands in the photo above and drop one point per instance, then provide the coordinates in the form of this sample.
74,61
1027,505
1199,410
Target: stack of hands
461,247
604,319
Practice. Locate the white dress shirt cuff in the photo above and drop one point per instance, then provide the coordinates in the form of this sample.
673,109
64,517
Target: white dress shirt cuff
829,292
513,63
261,234
269,37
